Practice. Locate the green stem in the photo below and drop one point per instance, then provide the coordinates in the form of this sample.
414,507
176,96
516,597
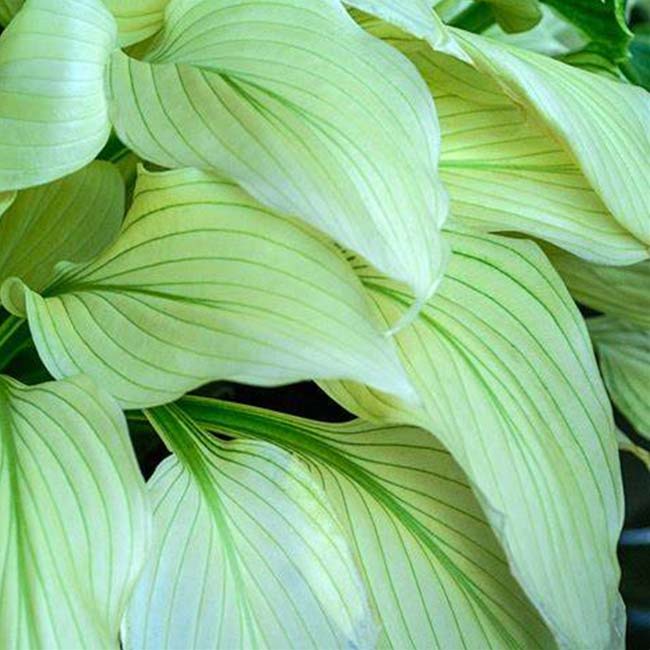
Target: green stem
476,18
14,337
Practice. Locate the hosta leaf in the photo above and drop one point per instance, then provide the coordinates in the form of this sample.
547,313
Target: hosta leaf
503,169
8,9
609,140
73,514
137,19
249,553
509,384
53,108
602,21
73,219
6,199
303,109
624,355
619,291
435,572
202,284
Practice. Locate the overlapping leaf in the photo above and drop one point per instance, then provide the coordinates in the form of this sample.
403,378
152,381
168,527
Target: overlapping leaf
609,140
72,219
504,367
624,355
435,572
53,108
618,291
249,553
73,514
266,93
503,169
516,15
202,284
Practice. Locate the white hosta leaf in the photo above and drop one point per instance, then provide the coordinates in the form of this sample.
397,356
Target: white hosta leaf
137,19
249,553
624,354
71,219
619,291
306,111
204,284
435,572
416,17
505,171
53,108
610,139
508,380
74,516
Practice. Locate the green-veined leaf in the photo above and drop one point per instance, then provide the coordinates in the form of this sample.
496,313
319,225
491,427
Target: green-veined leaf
503,169
72,219
619,291
249,554
624,355
73,514
436,574
203,283
609,140
53,106
507,377
308,113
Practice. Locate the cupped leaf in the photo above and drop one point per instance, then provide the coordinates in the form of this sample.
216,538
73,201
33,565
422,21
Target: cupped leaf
248,554
609,140
516,15
504,170
435,572
53,108
71,219
74,516
507,377
624,354
308,113
619,291
137,19
203,283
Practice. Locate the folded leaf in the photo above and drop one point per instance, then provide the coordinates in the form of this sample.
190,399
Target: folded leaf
53,108
516,15
624,355
73,513
137,19
72,219
609,140
619,291
508,381
503,169
308,113
435,572
204,284
249,553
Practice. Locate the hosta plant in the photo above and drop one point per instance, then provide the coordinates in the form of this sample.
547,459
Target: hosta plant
401,200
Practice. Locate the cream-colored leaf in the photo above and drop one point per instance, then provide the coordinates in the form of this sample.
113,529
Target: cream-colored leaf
203,283
74,516
53,107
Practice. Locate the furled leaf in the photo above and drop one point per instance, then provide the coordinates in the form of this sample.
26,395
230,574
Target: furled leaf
516,15
506,374
73,219
609,140
505,171
249,553
73,514
603,21
53,108
303,109
624,355
203,284
619,291
436,574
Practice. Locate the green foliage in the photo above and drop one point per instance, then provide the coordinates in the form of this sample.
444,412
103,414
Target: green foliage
247,191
